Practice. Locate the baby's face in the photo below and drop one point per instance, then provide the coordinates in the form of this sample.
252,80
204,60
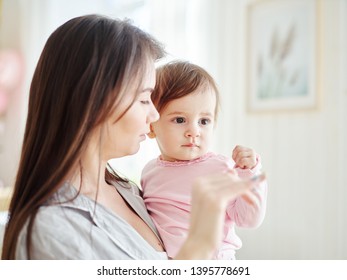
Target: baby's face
185,128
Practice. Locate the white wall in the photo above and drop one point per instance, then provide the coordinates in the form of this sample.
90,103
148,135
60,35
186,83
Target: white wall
304,153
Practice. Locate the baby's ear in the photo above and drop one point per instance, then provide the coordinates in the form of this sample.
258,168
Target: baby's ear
151,134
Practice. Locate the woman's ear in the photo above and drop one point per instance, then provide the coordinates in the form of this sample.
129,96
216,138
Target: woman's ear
151,134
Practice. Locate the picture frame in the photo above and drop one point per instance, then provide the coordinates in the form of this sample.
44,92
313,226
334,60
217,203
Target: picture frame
282,55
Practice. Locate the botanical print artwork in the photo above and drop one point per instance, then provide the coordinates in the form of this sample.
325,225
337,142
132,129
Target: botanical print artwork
281,54
277,77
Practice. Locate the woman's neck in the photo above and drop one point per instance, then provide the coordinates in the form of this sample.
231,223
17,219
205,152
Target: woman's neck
89,174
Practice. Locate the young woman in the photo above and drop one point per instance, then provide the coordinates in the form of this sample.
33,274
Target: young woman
90,101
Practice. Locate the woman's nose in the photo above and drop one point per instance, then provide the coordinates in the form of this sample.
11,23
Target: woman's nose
153,115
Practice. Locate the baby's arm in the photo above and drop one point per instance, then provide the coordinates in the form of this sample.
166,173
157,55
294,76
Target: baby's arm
243,213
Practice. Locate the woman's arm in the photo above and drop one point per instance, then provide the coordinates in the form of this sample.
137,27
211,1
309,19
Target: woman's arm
210,197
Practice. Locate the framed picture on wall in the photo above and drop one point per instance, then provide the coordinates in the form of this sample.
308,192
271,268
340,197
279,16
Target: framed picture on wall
282,55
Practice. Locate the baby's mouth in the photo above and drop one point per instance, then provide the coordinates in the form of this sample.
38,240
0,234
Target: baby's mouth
191,145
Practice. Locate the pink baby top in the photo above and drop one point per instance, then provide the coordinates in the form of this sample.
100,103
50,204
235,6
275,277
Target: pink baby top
167,195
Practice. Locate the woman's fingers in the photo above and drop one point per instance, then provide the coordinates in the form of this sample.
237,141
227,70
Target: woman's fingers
250,198
210,197
220,189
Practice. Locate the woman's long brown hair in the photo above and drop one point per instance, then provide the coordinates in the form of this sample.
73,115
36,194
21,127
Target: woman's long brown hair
84,71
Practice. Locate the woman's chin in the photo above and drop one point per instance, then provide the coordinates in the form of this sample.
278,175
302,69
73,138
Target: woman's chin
128,152
133,151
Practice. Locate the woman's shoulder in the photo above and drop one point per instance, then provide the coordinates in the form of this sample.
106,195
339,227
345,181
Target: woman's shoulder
82,229
55,229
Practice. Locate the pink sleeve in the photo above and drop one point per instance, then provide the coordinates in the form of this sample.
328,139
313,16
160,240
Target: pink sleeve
243,213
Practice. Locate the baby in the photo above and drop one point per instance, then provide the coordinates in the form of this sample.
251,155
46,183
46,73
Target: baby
187,99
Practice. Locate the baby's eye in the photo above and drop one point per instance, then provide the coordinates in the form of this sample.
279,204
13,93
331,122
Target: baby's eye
204,121
179,120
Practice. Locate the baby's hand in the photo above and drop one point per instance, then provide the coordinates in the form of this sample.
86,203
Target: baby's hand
244,157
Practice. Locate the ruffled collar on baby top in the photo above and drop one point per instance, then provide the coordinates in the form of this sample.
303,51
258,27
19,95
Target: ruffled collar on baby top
184,162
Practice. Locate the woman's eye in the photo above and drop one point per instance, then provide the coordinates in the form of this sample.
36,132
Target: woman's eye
204,121
179,120
146,102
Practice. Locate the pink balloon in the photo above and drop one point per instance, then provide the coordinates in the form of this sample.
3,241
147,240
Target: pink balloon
11,69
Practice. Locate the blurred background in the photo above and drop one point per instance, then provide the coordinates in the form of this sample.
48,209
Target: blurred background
248,46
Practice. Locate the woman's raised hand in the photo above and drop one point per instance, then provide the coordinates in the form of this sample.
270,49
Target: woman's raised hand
210,197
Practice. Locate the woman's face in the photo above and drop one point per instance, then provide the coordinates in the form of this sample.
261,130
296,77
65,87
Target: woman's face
123,137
